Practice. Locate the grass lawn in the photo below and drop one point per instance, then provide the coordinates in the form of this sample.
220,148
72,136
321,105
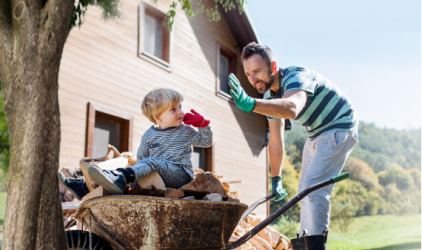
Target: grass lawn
380,232
3,196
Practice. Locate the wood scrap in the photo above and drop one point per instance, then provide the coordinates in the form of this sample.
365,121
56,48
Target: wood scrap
226,187
113,164
266,239
204,183
84,164
153,185
234,194
112,153
233,199
233,181
189,198
245,225
66,173
283,244
266,235
70,207
173,193
252,220
213,197
99,191
256,244
275,234
129,156
261,241
65,196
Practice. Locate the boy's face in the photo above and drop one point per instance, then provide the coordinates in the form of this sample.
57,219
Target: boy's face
171,117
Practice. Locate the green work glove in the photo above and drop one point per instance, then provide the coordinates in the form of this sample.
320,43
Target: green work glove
278,188
242,100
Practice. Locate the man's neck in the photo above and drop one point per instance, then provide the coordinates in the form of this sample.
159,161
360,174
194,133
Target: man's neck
276,84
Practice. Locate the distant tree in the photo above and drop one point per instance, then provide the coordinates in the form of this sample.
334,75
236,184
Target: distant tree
396,174
361,172
290,183
416,175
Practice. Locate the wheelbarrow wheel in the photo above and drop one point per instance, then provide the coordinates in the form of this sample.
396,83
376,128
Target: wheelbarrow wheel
78,239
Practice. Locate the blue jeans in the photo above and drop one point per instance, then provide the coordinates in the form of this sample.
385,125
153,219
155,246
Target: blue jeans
174,176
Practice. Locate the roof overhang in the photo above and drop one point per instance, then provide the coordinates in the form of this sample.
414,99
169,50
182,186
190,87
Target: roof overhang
241,27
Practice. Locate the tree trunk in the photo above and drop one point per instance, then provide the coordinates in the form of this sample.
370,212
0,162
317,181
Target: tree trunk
32,36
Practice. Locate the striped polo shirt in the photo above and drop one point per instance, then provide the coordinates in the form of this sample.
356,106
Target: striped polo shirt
326,108
174,144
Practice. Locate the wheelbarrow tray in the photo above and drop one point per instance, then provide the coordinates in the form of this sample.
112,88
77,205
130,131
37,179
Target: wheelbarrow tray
147,222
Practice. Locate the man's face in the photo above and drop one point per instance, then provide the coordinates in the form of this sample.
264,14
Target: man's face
258,73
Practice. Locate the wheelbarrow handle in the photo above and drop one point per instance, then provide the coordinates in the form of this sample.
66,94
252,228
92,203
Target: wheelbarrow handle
255,205
284,208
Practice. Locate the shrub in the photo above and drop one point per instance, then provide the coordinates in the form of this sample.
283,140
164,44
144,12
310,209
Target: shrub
287,227
361,172
342,213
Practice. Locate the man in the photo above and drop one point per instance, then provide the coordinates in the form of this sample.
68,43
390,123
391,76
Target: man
326,113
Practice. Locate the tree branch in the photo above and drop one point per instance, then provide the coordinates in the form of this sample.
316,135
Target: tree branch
5,29
54,24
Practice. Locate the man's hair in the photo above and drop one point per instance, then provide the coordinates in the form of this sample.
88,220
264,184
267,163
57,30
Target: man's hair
254,48
157,101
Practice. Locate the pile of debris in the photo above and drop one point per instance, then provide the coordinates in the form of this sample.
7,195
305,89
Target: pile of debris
267,239
206,186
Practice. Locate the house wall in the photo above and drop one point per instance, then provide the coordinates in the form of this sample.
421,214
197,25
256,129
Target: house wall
100,64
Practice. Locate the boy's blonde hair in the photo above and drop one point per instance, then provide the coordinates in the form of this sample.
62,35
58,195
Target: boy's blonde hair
157,101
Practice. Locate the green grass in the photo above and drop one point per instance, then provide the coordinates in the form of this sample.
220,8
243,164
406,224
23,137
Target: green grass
380,232
3,196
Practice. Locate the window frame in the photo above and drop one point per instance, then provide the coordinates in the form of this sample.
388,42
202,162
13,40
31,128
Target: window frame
221,49
125,120
167,37
209,158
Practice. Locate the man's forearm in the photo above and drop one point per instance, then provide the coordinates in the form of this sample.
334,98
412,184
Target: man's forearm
276,154
277,108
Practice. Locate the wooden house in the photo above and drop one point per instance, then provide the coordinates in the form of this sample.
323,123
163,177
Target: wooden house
109,65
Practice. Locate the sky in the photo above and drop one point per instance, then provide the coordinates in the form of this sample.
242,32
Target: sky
370,49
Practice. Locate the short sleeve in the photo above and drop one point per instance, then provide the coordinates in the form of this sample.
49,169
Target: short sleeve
298,78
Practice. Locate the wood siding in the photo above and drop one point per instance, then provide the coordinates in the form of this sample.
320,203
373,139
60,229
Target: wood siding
101,64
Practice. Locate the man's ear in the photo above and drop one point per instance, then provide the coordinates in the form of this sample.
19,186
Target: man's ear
274,67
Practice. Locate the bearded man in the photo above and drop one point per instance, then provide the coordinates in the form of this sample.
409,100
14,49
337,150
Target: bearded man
330,121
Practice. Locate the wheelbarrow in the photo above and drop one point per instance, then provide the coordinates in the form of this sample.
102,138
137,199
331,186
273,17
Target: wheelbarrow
147,222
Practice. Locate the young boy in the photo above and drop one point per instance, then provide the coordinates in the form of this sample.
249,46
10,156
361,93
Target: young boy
165,148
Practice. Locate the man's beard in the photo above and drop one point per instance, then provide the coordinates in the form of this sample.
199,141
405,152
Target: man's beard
266,86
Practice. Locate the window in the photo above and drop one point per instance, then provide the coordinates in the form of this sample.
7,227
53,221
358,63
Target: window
107,126
202,159
226,64
154,38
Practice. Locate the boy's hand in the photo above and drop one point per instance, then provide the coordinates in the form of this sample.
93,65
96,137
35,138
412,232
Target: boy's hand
195,119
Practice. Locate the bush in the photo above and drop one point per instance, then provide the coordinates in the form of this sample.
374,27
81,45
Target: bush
290,181
342,213
287,227
396,174
361,172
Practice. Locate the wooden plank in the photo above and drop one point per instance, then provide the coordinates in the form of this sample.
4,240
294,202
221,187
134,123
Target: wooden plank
99,191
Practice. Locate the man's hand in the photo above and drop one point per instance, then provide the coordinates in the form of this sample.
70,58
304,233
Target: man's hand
242,100
195,119
277,188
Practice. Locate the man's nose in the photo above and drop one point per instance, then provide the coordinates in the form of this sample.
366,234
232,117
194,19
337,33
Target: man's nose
253,79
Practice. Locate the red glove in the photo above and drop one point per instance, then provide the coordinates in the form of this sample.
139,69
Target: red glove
195,119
